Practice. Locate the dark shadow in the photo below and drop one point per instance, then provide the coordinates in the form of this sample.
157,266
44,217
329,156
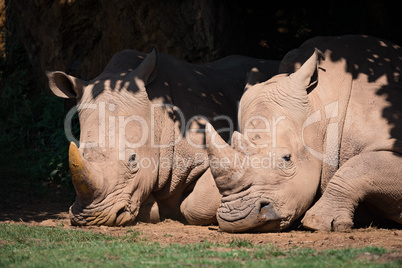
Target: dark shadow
25,200
34,212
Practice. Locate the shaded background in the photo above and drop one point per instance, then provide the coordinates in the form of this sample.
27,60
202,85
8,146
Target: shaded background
80,36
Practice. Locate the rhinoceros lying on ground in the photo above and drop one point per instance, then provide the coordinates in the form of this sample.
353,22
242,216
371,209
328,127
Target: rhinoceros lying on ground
142,142
331,129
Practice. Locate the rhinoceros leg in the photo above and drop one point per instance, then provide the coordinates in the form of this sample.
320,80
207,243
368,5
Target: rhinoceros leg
373,178
200,206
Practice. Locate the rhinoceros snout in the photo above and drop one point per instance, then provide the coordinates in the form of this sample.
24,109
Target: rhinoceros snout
245,214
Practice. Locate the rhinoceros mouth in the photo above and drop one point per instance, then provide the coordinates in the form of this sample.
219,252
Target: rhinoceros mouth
116,215
245,214
237,210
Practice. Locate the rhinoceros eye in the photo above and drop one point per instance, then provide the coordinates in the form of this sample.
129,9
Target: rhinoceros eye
287,157
132,161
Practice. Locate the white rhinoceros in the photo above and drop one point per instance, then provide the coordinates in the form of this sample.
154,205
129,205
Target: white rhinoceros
142,142
331,130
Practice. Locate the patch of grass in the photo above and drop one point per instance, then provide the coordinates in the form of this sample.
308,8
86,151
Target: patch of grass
240,243
168,235
25,246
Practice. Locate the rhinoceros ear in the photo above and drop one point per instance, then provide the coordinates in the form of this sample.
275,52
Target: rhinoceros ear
64,85
145,73
255,77
307,76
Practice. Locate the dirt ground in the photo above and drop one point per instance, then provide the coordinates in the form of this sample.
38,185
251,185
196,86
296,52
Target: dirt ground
167,232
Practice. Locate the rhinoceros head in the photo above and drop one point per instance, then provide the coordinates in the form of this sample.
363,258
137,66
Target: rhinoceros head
267,177
114,114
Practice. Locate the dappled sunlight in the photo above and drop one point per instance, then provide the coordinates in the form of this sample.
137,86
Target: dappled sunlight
339,140
150,112
376,61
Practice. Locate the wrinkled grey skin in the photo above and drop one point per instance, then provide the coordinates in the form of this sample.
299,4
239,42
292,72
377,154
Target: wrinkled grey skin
137,164
330,129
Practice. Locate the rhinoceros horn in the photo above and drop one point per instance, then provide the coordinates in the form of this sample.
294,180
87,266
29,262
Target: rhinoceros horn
84,183
222,161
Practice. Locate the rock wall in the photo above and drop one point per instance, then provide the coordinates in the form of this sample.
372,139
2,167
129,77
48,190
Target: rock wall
80,36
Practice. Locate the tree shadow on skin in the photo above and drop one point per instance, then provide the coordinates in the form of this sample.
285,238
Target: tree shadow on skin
377,64
379,60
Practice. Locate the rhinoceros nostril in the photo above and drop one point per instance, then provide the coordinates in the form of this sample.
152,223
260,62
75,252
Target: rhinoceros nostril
121,211
123,217
264,204
267,212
